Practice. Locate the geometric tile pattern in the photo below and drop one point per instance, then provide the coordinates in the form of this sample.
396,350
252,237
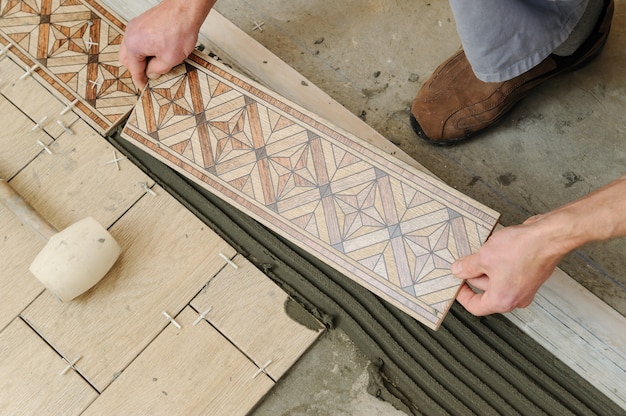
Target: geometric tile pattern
75,43
391,228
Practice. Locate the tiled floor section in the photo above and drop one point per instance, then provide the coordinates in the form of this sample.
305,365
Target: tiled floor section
116,334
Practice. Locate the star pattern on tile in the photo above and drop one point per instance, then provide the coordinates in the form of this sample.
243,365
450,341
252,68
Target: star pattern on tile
14,7
68,39
78,48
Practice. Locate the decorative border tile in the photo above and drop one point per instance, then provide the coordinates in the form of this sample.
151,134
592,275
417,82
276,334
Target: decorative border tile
391,228
75,45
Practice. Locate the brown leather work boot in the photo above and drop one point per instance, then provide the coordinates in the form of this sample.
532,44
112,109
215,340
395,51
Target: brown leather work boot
453,104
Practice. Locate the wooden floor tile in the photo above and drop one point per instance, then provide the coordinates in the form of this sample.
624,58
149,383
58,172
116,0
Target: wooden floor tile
35,101
31,382
66,186
187,371
168,255
76,180
387,225
75,44
10,72
19,247
18,145
254,314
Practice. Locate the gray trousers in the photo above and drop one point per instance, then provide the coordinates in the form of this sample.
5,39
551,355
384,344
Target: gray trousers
505,38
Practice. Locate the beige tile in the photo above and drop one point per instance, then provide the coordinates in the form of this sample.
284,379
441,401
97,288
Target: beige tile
19,246
18,144
30,377
189,371
256,315
168,255
34,100
76,180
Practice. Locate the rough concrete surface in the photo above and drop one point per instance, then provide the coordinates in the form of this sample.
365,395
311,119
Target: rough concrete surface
327,381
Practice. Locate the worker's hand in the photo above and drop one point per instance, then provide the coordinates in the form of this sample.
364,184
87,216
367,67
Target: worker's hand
508,269
515,261
162,37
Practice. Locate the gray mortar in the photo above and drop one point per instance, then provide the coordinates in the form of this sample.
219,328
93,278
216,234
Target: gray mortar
300,315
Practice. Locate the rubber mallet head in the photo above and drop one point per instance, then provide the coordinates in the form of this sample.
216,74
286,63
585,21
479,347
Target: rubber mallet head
74,259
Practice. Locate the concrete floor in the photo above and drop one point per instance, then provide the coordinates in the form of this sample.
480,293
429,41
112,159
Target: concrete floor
564,140
331,379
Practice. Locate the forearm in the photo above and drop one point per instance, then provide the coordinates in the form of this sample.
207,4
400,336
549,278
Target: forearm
173,15
600,215
515,261
196,10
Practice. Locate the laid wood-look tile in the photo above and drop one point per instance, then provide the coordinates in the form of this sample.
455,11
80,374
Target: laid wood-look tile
168,255
31,382
36,102
18,145
254,313
19,247
73,182
386,225
188,371
9,71
77,180
75,43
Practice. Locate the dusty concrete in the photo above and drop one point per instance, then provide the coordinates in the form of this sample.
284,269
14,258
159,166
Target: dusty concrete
336,384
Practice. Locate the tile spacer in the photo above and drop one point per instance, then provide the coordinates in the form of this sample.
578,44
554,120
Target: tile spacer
64,127
229,261
172,320
96,84
202,316
262,369
45,147
116,160
68,107
71,365
144,186
258,26
90,43
39,125
3,51
29,71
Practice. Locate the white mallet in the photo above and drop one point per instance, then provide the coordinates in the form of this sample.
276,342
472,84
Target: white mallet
74,259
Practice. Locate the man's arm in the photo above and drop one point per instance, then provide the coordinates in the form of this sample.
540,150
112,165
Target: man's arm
515,261
162,37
